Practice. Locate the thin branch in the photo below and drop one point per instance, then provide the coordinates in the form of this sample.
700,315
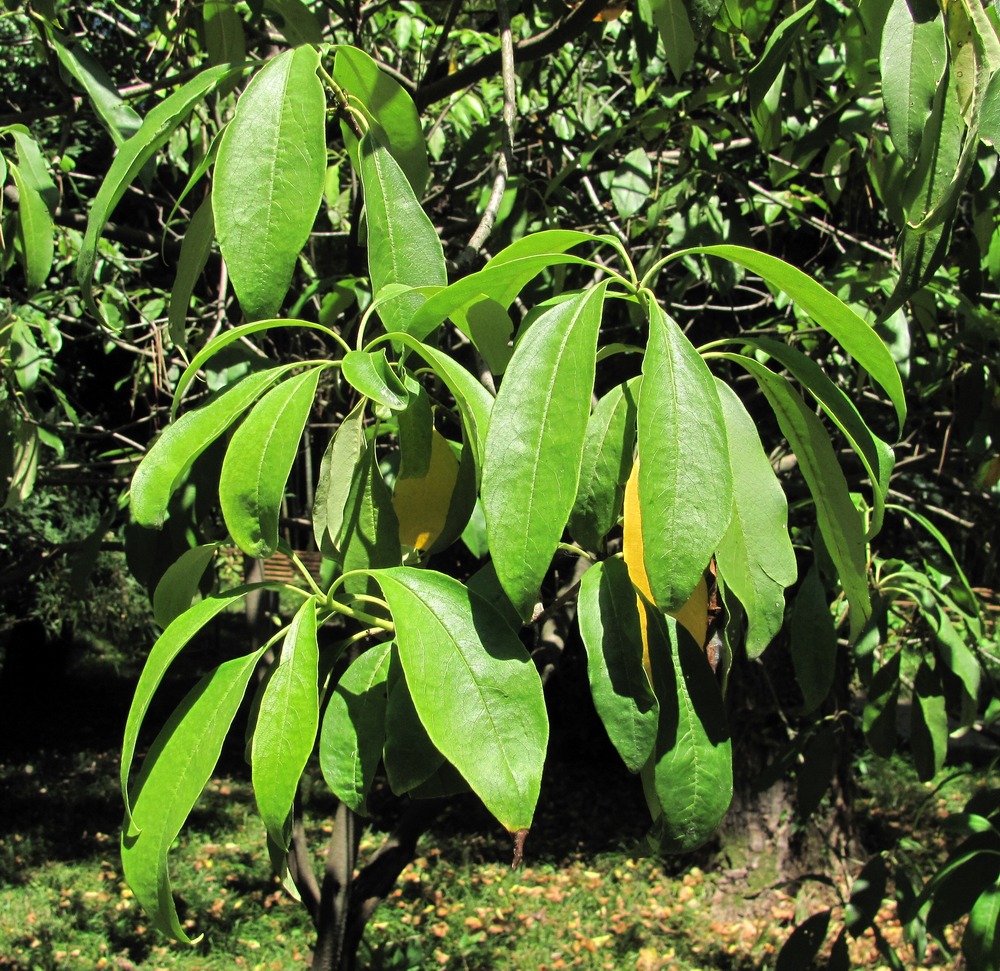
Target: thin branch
563,31
506,157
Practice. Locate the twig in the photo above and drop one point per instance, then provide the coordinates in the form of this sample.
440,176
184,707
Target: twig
506,156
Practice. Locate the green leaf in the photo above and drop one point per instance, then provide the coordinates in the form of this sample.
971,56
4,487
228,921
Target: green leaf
685,479
813,642
35,230
409,755
336,474
180,582
981,940
534,446
632,183
371,529
168,645
34,168
353,733
879,719
403,245
179,763
488,325
912,61
812,777
388,104
118,117
269,178
839,521
225,38
297,23
286,725
953,650
167,462
415,431
671,20
832,314
755,556
612,635
370,373
474,687
259,460
867,894
876,456
928,723
803,943
690,779
195,250
154,132
604,469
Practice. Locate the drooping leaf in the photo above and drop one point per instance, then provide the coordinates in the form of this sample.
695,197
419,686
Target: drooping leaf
167,462
803,943
295,20
403,245
174,772
813,639
605,467
814,772
535,442
370,373
422,502
473,686
179,584
225,37
981,940
879,719
867,894
912,62
353,733
690,778
410,757
755,556
35,230
336,474
156,128
928,723
609,626
195,250
168,645
838,519
388,104
285,729
849,330
269,178
685,479
259,460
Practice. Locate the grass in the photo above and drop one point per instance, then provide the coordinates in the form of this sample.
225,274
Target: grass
588,898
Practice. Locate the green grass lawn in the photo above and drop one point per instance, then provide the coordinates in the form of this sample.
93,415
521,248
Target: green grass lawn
587,899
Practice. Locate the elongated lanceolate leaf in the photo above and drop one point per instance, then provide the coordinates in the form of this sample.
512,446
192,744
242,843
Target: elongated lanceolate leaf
287,720
156,128
409,756
604,469
179,584
876,456
387,102
353,733
269,178
173,775
166,463
195,250
838,519
336,473
403,245
813,642
685,479
535,442
259,460
928,723
474,687
912,62
755,556
832,314
671,20
981,939
609,626
168,645
36,229
690,779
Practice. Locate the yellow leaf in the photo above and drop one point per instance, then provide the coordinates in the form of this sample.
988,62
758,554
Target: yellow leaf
693,615
421,503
